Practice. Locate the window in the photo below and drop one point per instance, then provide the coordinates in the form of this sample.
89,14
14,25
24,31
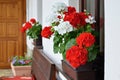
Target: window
96,7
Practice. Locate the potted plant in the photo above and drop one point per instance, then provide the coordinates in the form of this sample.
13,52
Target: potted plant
33,30
21,66
75,38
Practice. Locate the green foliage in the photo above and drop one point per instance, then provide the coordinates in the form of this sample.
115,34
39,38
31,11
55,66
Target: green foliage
63,42
88,28
70,43
93,51
34,32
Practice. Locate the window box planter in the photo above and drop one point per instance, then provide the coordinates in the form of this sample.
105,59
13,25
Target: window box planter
84,72
38,42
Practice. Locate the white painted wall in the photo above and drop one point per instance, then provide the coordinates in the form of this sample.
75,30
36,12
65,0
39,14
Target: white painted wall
112,40
34,10
74,3
39,11
31,13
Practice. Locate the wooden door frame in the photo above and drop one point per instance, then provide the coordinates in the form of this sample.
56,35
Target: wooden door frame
24,20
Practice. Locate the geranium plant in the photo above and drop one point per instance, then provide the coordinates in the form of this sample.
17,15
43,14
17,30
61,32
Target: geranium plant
74,34
21,61
32,28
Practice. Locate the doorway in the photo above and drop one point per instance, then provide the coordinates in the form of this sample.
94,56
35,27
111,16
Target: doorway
12,41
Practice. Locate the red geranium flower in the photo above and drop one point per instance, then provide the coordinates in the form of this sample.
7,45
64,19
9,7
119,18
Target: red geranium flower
28,25
32,28
70,10
46,32
85,39
73,18
82,17
76,56
32,20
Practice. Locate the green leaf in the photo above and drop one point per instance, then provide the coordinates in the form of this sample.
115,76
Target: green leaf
90,48
58,43
55,24
80,30
91,56
62,48
64,55
34,31
70,43
96,33
56,39
55,48
93,51
88,28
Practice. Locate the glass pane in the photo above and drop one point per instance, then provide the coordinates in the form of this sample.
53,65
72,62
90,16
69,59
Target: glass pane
91,6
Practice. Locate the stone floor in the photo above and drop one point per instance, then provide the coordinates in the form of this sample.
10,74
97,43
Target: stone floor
6,73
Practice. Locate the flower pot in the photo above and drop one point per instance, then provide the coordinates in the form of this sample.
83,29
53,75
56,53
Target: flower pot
38,42
84,72
21,70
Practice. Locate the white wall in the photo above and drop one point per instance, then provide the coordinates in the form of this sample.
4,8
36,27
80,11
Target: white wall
39,11
34,10
112,40
74,3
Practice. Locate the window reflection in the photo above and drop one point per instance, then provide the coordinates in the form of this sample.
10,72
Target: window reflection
96,8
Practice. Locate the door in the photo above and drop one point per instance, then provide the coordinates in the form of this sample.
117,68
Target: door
12,41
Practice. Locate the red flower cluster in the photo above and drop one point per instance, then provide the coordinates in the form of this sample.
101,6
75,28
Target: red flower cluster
46,32
76,56
28,25
33,21
76,19
73,18
70,10
82,16
85,39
